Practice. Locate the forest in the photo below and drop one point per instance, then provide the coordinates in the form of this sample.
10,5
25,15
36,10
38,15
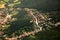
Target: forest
29,20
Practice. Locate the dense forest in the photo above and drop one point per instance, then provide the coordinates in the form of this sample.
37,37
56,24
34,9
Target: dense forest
29,20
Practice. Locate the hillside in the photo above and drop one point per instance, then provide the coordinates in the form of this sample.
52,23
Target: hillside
29,20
